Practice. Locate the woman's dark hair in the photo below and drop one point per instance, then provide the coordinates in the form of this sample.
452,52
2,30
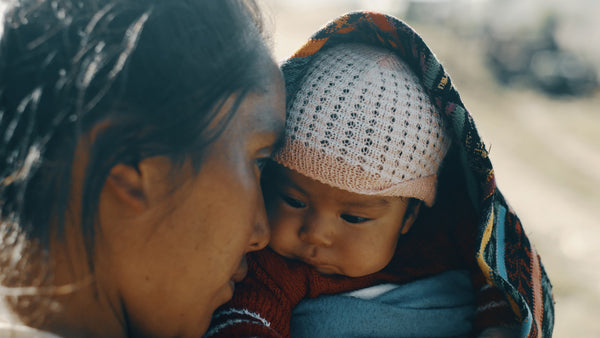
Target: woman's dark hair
152,73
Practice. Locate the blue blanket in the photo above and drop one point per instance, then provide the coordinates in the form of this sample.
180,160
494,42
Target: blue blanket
439,306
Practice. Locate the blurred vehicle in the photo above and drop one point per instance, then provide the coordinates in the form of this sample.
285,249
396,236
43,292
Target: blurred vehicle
536,59
519,38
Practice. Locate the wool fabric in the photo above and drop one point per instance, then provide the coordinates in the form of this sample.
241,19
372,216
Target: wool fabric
363,123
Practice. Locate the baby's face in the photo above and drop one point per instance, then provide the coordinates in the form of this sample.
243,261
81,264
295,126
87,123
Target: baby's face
336,231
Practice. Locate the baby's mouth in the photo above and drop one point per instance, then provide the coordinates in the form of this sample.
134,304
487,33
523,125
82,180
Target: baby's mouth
320,266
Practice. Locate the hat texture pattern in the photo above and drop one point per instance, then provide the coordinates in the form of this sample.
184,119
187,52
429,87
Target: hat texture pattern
362,122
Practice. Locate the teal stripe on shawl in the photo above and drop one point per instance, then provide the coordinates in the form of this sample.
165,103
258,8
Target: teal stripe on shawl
514,255
500,219
526,326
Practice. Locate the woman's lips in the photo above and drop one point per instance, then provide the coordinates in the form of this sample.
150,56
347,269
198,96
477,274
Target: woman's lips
239,274
241,271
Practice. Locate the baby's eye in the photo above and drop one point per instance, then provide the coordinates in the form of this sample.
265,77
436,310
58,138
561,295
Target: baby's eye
292,202
354,219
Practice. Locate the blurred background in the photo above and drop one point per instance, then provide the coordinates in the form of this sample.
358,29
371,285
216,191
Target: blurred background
527,70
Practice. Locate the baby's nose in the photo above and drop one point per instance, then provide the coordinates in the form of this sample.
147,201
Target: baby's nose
317,233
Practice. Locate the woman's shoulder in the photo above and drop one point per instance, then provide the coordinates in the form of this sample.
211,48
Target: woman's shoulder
16,330
10,326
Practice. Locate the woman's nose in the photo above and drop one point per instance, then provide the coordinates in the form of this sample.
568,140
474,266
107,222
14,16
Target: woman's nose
317,231
260,236
261,233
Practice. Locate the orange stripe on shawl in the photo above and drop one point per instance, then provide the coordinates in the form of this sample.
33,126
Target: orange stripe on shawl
381,21
310,48
342,26
485,268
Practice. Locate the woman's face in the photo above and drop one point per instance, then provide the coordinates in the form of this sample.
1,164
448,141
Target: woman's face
175,257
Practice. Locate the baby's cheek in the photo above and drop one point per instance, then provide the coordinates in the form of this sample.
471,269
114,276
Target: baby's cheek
382,260
365,261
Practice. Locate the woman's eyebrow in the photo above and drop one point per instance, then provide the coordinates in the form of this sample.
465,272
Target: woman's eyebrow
266,124
269,126
269,129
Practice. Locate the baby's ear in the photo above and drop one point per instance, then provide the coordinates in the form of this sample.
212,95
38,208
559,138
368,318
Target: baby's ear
411,214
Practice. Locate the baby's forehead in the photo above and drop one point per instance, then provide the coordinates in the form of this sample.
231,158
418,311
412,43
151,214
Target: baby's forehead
312,187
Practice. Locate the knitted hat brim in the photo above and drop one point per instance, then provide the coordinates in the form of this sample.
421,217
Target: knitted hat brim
328,169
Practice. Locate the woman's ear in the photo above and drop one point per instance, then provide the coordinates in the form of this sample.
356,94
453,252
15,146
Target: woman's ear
127,185
412,212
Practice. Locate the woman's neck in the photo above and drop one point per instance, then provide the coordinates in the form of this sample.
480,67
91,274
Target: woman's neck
61,294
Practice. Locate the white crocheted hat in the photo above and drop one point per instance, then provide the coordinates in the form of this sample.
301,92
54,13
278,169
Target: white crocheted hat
361,122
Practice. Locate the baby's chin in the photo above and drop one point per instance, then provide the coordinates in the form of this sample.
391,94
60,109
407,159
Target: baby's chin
357,272
330,269
334,271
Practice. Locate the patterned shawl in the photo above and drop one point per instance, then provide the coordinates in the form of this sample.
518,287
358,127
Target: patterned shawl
505,255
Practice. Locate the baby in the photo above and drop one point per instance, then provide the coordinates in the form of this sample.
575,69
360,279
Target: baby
353,194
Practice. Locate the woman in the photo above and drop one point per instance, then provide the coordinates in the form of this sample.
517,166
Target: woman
132,136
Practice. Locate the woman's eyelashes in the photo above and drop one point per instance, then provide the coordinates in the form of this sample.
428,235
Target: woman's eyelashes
262,157
261,162
292,202
354,219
